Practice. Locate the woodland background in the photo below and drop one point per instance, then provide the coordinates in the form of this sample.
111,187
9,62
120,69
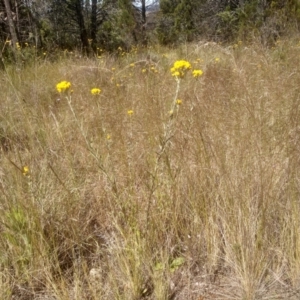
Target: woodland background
109,24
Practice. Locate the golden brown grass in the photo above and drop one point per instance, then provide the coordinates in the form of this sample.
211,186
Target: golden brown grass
199,204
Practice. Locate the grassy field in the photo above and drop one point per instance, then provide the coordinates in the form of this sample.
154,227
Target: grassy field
156,187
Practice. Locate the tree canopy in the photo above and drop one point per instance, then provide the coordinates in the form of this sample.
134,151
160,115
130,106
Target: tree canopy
109,24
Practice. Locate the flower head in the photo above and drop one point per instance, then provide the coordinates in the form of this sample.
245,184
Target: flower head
197,73
180,67
25,171
95,91
130,112
177,73
63,86
178,102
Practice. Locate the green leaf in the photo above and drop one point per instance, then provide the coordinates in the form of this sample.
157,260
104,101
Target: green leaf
158,267
177,262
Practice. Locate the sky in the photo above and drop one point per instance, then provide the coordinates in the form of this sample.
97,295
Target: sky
138,3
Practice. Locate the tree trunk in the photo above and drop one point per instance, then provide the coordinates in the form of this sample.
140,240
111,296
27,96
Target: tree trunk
144,21
94,21
17,16
144,11
12,29
82,28
2,67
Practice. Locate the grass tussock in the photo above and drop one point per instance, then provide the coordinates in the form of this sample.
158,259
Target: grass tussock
129,193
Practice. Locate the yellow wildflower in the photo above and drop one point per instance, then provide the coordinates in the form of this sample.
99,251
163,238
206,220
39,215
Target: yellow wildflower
177,74
95,91
178,102
197,73
25,171
108,137
63,86
132,65
179,68
130,112
217,59
182,64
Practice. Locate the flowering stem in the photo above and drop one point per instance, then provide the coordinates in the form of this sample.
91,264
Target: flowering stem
168,126
176,93
90,148
163,145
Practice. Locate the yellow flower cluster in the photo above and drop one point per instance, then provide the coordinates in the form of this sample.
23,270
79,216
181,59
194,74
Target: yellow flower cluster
95,91
180,67
63,86
197,73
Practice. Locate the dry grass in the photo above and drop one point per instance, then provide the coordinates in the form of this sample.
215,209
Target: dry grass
200,204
